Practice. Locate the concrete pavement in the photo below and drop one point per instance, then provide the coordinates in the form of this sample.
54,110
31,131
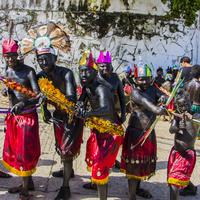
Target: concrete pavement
47,186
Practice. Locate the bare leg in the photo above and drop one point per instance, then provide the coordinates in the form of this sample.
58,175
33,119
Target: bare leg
23,195
132,185
174,192
59,173
64,192
67,173
102,191
20,187
25,183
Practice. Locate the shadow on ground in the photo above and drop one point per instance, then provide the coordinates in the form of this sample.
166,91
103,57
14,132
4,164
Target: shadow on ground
46,162
47,188
161,165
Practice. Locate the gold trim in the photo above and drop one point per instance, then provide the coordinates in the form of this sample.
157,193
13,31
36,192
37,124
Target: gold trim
16,171
100,182
175,181
142,178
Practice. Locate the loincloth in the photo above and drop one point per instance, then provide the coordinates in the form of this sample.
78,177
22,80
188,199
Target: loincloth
180,167
61,137
101,153
138,162
21,150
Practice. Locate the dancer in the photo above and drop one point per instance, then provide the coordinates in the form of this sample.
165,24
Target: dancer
68,135
139,160
107,77
182,157
193,88
106,73
21,145
102,148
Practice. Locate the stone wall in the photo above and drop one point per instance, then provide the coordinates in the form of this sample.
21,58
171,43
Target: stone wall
127,28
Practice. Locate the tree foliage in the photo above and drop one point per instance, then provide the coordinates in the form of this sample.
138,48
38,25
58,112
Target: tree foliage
186,9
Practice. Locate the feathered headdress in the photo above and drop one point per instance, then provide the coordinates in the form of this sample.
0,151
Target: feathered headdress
107,58
142,71
45,37
100,58
129,69
88,61
104,59
9,46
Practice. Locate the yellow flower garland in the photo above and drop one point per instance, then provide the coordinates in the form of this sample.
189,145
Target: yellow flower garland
55,96
104,126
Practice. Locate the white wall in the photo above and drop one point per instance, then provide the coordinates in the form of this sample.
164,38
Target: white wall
159,44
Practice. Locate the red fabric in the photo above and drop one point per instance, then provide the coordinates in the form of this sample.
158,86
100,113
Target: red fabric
79,90
181,166
9,46
22,144
101,153
90,61
128,89
171,105
60,137
140,161
135,71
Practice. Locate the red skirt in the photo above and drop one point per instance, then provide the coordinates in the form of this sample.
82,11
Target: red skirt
21,150
138,162
180,167
66,152
101,153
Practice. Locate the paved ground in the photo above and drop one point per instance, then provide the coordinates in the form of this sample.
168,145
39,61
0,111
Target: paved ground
47,186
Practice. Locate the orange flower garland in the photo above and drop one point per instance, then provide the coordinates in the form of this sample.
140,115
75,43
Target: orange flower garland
18,87
54,95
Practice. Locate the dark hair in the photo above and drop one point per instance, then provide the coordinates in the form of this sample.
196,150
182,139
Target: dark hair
185,59
160,69
195,71
169,70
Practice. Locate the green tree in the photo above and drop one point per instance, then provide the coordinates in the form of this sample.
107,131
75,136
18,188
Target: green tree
186,9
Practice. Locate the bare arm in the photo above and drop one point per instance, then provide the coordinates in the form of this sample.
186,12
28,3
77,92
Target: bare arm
17,108
174,126
34,86
70,86
140,100
120,92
